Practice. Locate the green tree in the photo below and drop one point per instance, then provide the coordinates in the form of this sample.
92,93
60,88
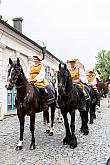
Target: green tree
1,17
103,64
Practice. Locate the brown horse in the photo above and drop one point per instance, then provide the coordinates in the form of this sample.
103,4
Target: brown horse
103,89
28,100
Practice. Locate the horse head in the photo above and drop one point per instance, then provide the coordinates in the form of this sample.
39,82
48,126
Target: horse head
13,73
63,75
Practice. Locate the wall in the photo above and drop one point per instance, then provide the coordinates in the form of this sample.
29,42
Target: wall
12,45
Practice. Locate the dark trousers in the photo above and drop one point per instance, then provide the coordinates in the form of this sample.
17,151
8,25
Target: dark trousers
44,96
82,105
96,92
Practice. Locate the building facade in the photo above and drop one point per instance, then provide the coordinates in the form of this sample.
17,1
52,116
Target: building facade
14,44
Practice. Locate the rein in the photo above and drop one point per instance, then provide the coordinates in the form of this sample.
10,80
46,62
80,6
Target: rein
17,87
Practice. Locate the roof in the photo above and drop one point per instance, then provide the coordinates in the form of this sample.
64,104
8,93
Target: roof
28,39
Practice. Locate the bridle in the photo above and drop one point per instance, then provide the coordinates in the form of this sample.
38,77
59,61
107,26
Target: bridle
11,81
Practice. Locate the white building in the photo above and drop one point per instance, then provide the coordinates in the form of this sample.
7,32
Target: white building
14,44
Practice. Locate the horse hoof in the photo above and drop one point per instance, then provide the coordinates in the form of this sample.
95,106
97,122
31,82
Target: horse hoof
81,129
86,133
51,134
91,121
32,147
94,116
47,131
73,146
66,140
18,148
65,143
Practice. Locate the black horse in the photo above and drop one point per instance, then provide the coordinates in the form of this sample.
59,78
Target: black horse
68,100
92,102
28,101
108,162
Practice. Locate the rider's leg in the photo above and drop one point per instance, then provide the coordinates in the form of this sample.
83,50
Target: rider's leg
82,106
44,98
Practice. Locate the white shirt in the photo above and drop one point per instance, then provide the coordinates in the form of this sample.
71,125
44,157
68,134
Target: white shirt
82,76
94,82
40,77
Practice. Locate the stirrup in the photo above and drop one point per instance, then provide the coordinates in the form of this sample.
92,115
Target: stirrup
45,107
87,98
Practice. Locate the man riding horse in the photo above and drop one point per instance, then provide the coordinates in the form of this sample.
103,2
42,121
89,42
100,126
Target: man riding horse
36,75
78,77
92,81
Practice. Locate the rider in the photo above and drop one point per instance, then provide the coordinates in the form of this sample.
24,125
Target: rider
36,75
92,81
78,77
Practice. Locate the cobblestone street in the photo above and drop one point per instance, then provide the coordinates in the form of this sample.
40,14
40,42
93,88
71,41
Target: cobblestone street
93,149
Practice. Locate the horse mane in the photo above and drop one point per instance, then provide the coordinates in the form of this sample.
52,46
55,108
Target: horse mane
69,78
23,73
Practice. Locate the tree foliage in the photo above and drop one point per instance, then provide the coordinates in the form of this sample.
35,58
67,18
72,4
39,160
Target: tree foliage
1,17
103,64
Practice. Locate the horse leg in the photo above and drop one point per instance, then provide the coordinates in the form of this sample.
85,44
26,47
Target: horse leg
84,127
32,128
73,141
91,113
59,118
94,109
87,109
98,106
21,120
47,123
108,100
53,105
67,138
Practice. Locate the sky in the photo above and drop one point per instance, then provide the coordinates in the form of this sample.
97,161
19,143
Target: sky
69,28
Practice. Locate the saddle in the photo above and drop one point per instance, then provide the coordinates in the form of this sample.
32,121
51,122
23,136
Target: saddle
86,93
84,90
91,92
50,94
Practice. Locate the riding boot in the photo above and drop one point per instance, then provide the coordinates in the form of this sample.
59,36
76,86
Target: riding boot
44,99
82,100
86,94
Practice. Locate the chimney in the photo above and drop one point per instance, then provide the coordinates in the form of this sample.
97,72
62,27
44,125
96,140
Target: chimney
17,24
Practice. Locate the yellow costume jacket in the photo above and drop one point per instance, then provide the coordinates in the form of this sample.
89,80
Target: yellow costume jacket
34,71
91,80
76,75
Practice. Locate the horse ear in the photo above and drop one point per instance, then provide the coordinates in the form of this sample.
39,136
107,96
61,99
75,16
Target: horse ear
65,67
10,61
59,66
18,62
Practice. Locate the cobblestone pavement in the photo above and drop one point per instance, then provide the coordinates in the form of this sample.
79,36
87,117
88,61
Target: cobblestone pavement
93,149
